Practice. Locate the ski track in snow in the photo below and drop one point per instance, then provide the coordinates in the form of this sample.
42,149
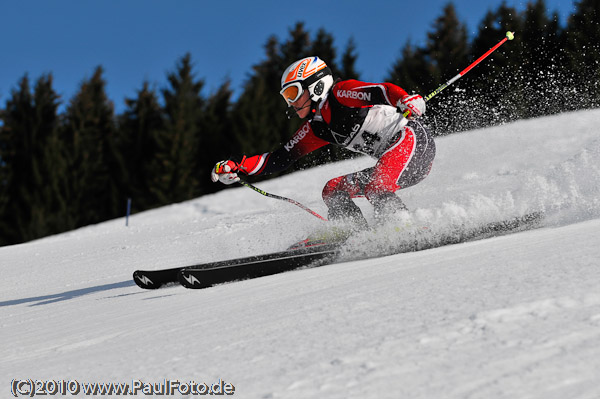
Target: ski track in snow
516,316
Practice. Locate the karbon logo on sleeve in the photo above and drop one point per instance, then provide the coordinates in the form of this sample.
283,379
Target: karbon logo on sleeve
296,139
358,95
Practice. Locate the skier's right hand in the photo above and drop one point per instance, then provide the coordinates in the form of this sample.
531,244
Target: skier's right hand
225,172
412,105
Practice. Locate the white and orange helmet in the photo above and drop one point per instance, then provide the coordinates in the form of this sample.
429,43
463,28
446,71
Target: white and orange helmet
310,73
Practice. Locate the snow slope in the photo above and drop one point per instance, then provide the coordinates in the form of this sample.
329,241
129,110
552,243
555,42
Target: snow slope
516,316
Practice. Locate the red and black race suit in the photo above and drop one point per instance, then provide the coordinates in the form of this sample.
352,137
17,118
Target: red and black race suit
340,121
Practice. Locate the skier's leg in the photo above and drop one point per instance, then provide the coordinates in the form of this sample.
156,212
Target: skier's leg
420,164
380,191
404,164
338,194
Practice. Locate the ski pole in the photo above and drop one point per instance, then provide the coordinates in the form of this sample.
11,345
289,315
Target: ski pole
291,201
509,36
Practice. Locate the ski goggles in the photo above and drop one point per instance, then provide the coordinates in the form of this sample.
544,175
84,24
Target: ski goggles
292,92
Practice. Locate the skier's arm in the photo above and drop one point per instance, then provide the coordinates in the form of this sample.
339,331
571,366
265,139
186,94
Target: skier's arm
354,93
302,142
393,93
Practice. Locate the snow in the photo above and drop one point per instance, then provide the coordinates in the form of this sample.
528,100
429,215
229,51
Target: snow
516,316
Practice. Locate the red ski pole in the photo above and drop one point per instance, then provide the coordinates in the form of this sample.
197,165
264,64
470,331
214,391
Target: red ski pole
509,36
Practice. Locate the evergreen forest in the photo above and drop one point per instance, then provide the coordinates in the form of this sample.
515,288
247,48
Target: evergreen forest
63,170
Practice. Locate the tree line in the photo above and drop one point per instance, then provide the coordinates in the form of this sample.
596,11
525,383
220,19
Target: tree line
63,170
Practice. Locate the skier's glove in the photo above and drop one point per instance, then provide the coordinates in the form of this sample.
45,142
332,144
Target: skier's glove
414,104
225,172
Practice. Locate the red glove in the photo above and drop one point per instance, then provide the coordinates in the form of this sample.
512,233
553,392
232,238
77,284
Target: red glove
225,172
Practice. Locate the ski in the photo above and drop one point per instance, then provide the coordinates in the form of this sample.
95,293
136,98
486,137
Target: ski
207,275
296,256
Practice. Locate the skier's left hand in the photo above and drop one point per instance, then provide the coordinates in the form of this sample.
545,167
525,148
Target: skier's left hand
224,171
414,104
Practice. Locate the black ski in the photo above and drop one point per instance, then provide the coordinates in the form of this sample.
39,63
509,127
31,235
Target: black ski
276,262
207,275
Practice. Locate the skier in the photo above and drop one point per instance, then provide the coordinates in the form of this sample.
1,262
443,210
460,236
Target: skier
362,117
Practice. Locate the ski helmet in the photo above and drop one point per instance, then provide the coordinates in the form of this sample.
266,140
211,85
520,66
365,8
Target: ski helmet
310,73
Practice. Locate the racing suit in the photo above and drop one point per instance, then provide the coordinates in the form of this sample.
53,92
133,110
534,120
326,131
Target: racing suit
361,117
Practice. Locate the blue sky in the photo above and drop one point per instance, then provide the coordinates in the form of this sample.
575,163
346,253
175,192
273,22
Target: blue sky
138,40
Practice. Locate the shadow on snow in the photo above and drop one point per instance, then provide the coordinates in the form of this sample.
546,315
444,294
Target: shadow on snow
67,295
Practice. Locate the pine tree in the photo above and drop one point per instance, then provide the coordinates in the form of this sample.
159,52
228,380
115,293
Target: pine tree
140,127
177,179
54,182
447,45
31,203
349,57
219,141
89,135
16,145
